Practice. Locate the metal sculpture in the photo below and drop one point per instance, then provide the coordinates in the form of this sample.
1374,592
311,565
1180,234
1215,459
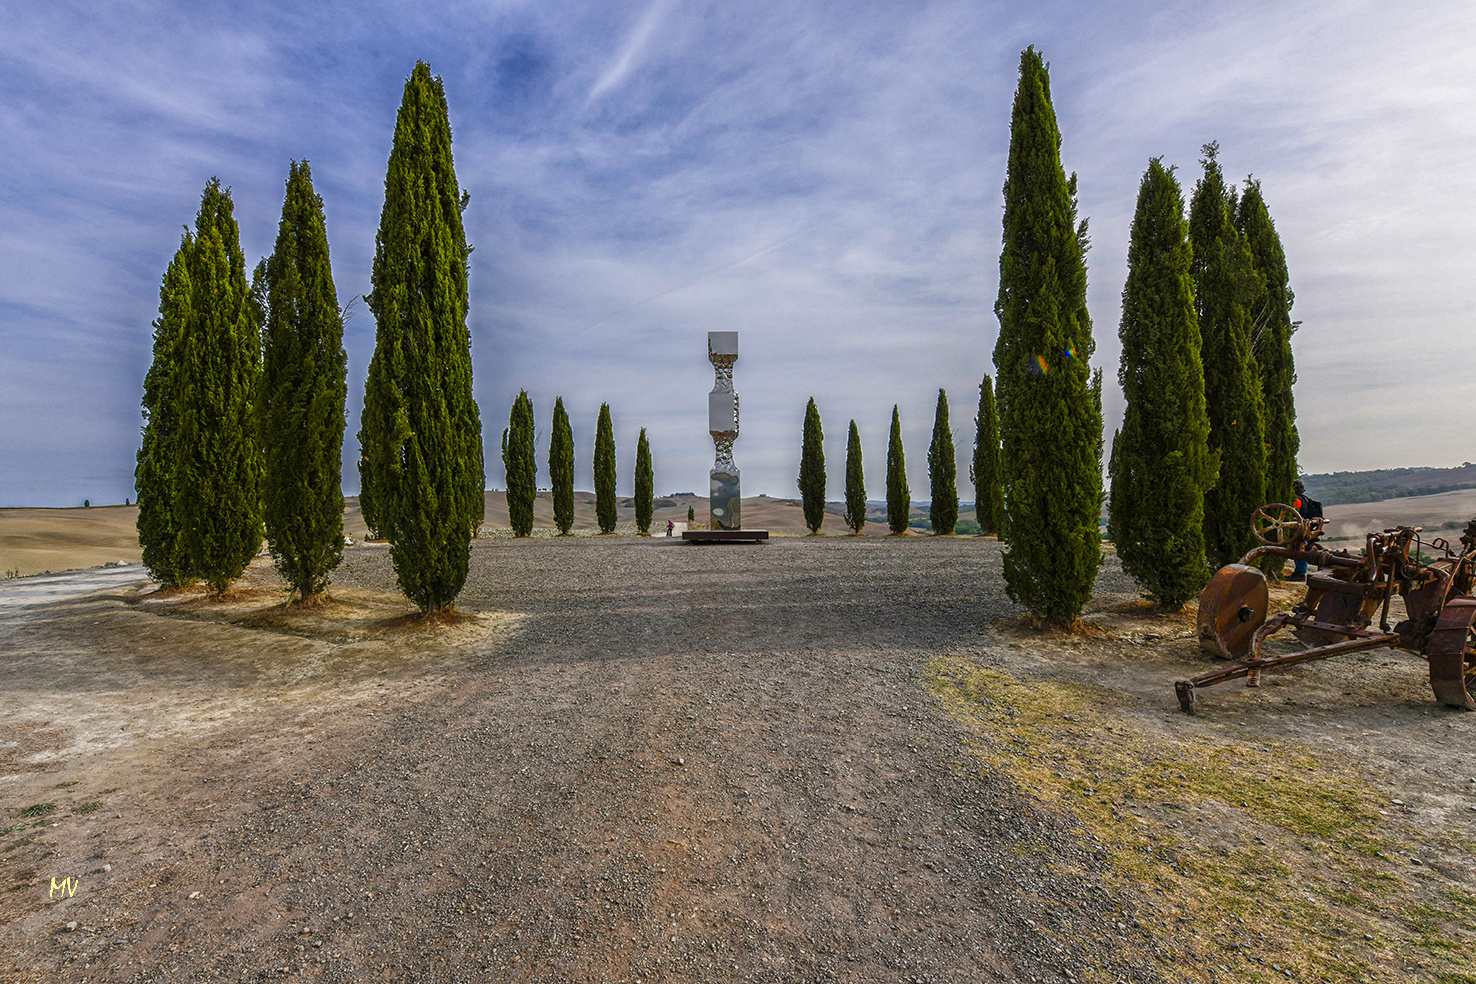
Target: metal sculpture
1436,588
725,498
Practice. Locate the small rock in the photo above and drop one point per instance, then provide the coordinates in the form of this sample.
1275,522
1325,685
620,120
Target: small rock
107,867
194,895
71,927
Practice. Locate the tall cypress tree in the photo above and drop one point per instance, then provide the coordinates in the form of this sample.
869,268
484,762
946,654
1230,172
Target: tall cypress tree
421,434
220,375
604,471
1161,463
304,386
899,497
519,462
1225,282
645,485
943,472
1050,402
1271,332
812,470
561,468
157,477
855,483
984,472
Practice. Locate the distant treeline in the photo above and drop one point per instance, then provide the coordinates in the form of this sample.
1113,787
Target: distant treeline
1338,488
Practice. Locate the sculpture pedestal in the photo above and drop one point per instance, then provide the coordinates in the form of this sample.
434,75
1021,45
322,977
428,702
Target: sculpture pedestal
726,536
725,504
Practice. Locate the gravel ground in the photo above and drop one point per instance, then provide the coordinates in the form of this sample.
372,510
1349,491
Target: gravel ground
676,763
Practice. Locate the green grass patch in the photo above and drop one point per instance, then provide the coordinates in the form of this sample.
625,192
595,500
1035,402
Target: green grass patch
1241,854
38,810
87,808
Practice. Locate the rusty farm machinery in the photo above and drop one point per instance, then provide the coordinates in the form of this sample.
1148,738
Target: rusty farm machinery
1435,579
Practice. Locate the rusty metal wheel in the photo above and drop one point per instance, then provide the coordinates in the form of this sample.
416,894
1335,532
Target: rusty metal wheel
1231,608
1278,524
1451,649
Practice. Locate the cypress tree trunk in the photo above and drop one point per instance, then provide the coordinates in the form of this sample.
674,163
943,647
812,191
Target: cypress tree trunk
604,471
1271,332
984,472
899,497
157,477
219,495
1161,463
855,483
943,472
304,386
421,433
518,458
645,485
1224,283
812,470
1050,402
561,468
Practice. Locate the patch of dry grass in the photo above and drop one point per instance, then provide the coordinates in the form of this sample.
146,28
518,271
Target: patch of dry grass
1252,861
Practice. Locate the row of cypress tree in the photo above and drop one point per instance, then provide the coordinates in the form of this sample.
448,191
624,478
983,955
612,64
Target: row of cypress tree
942,474
244,402
522,470
1210,428
1209,433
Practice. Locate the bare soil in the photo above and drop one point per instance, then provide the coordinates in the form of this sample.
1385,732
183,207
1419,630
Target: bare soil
840,759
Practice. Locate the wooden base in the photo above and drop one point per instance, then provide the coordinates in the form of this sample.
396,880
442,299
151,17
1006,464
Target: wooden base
725,536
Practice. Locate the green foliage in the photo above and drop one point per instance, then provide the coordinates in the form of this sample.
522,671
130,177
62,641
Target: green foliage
157,477
1161,464
942,472
1225,282
304,373
899,496
1050,402
1271,329
219,492
421,465
645,485
522,469
691,514
984,472
855,482
561,468
812,469
604,471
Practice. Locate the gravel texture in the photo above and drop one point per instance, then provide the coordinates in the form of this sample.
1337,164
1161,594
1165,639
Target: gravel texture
676,763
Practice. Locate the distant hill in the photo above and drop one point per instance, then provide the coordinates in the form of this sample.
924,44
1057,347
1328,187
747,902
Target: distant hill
1337,488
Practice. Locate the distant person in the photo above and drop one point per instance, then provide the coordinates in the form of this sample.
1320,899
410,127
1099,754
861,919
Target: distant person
669,527
1309,509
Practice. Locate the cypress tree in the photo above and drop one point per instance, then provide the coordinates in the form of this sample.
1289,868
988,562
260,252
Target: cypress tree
157,477
1225,282
899,497
1161,463
1050,402
304,386
561,468
1272,328
421,434
691,514
604,471
984,471
219,495
522,470
855,483
645,485
812,470
943,472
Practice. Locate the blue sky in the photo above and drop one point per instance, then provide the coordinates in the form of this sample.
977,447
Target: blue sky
824,178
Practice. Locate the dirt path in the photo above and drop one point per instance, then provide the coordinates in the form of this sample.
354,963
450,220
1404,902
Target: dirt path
831,760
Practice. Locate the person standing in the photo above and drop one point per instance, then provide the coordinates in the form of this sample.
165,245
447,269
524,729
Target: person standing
1309,509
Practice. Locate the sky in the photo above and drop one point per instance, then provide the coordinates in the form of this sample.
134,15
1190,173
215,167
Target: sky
823,178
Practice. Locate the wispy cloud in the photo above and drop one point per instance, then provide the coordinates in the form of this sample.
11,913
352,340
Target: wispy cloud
632,52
